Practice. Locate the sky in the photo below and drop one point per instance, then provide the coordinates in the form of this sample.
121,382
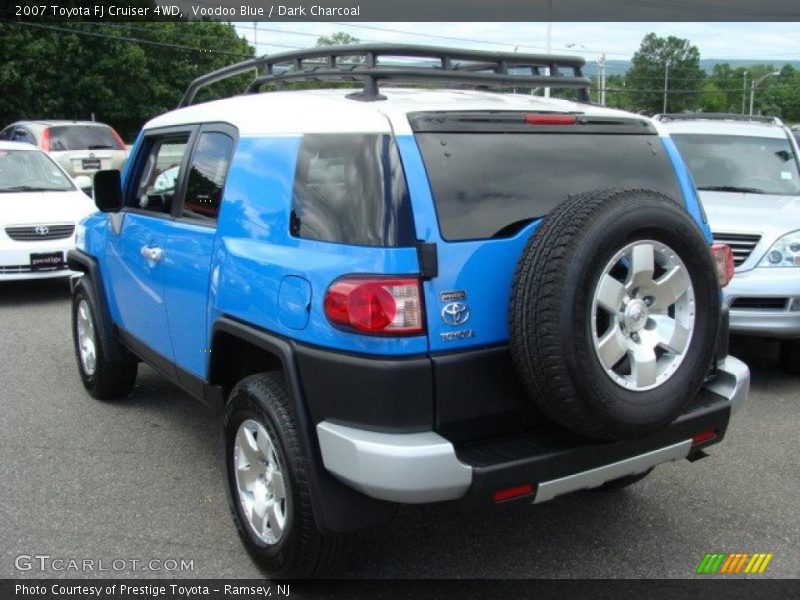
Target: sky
770,41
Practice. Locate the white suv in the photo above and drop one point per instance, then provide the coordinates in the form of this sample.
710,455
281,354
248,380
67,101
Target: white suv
747,175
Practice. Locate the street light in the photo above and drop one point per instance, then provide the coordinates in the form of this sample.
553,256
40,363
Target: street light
755,84
601,70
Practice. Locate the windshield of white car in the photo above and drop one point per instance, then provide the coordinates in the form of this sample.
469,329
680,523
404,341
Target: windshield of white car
744,164
31,171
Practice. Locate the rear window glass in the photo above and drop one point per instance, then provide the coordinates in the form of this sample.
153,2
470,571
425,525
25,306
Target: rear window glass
82,137
350,189
491,184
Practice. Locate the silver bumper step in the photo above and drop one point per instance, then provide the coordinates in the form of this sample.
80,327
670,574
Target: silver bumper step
418,468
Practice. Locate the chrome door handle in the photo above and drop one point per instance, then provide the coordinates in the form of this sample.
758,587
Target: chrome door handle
152,253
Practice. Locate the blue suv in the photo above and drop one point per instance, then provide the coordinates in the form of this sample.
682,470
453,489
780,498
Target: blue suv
403,296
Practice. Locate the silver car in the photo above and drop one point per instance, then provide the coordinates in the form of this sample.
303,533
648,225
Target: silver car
80,147
746,172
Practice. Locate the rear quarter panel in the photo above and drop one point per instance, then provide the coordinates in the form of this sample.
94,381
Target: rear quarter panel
254,252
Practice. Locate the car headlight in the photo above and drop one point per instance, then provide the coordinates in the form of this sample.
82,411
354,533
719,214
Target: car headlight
784,253
80,236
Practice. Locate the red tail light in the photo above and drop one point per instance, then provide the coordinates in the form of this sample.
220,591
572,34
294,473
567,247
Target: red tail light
550,119
723,261
120,144
44,141
391,306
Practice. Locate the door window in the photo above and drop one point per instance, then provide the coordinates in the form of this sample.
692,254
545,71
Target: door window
160,174
207,176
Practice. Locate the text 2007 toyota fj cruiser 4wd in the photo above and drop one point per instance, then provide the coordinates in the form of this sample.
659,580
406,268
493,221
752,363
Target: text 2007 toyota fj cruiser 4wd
410,295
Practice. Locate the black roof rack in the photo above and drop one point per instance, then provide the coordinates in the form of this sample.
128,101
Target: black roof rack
665,117
366,63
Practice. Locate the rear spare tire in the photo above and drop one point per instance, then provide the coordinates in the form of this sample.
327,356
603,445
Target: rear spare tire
614,313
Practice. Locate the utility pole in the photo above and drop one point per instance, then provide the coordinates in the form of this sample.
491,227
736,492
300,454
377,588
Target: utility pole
744,90
666,85
601,65
255,39
548,39
754,84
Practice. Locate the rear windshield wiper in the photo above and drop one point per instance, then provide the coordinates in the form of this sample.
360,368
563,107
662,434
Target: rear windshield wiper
731,188
101,147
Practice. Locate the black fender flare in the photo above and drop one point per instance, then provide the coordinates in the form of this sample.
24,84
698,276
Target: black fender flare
78,260
338,508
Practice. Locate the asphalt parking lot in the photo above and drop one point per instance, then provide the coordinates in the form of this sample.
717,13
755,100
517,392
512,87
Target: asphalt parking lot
140,479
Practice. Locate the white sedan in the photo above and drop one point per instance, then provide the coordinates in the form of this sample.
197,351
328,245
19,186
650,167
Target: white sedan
40,208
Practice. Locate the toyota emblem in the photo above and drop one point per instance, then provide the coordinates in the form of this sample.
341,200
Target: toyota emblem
42,229
455,313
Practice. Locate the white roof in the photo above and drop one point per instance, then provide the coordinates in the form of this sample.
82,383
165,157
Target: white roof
742,128
17,146
329,111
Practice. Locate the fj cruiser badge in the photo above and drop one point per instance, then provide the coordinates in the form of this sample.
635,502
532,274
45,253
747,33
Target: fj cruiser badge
457,295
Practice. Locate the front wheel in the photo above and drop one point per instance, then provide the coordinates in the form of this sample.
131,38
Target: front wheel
267,476
103,378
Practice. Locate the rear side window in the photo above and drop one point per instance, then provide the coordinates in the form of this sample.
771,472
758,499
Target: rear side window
82,137
491,184
207,176
350,189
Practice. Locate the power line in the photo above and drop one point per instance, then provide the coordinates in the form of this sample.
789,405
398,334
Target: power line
783,55
124,38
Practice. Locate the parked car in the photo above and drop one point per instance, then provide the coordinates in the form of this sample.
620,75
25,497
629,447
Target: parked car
40,206
746,171
410,296
80,147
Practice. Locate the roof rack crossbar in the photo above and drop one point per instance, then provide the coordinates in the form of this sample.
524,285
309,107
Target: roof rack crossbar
466,67
717,117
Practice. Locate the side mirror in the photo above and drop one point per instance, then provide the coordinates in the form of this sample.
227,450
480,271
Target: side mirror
84,182
108,190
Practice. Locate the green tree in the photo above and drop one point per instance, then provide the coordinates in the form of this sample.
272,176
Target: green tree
725,90
645,79
123,73
340,38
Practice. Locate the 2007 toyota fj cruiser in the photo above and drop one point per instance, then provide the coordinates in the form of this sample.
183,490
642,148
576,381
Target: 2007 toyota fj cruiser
410,295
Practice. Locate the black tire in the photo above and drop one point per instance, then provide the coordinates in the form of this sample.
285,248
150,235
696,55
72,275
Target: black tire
789,356
302,550
550,314
618,484
110,379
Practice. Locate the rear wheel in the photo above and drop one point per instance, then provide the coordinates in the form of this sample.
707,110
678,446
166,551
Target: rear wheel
267,482
789,357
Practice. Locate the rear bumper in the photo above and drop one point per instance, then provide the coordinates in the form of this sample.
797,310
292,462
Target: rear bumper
425,467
